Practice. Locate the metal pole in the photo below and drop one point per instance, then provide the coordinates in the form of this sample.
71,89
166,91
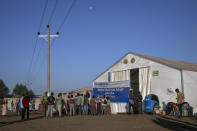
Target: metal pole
48,58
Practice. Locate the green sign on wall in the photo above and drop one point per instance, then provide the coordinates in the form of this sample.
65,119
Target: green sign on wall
155,73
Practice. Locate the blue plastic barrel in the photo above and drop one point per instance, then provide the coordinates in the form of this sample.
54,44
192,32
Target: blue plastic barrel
149,103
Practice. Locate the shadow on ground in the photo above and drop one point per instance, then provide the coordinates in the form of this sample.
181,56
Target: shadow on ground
2,123
174,124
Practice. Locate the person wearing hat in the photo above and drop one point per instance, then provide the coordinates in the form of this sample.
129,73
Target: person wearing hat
180,98
131,101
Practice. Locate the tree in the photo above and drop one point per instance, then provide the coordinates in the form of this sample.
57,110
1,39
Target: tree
3,89
21,89
31,93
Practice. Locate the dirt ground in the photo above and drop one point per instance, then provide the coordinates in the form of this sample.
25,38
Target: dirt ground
96,123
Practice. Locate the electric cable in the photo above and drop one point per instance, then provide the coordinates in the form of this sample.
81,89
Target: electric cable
36,42
67,14
53,11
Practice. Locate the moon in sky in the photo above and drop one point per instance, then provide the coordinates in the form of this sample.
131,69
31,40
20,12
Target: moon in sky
90,8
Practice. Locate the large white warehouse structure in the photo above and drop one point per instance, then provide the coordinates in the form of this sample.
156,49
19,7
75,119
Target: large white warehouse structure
154,75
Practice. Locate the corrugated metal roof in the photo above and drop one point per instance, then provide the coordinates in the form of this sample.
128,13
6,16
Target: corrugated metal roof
171,63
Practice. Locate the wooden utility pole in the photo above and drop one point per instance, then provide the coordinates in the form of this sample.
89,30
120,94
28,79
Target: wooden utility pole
48,37
48,58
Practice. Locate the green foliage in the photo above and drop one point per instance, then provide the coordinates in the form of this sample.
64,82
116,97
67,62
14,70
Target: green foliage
31,93
21,89
3,89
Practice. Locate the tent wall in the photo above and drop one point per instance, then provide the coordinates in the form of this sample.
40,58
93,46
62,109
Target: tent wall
190,88
120,75
144,81
121,66
163,84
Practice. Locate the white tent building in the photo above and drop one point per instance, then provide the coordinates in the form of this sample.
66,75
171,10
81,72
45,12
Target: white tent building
154,75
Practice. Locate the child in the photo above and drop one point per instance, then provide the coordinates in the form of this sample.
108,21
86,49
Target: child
156,108
18,108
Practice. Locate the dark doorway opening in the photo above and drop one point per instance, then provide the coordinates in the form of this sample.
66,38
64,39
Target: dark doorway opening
134,85
134,81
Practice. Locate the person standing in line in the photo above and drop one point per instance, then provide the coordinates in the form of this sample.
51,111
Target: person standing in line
51,102
82,104
78,104
21,103
86,102
98,103
180,99
25,102
5,107
72,105
104,104
18,108
139,103
93,106
108,106
68,105
87,94
131,101
59,102
44,103
15,105
12,106
65,106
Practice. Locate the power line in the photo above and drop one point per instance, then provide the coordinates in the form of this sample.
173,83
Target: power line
53,11
42,59
29,69
43,13
36,42
67,14
39,52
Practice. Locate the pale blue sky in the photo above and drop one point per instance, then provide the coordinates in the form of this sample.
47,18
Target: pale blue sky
96,34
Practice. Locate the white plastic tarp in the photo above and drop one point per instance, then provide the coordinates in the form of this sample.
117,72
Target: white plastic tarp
144,81
190,88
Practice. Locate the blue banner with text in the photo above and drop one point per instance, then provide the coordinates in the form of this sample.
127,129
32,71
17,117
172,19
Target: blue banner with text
116,91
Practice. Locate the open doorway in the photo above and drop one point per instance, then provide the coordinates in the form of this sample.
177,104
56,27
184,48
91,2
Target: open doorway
134,85
134,81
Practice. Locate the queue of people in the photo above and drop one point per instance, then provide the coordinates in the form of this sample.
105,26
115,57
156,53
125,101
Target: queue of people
80,105
84,105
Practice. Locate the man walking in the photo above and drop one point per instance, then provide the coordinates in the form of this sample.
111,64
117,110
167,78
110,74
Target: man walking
51,102
180,98
25,102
